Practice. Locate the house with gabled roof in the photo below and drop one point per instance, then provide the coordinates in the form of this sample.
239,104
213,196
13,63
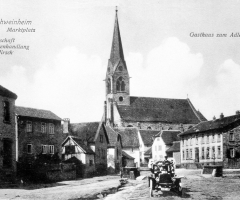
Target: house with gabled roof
39,132
130,143
8,136
123,110
74,148
146,138
94,135
114,151
212,142
162,142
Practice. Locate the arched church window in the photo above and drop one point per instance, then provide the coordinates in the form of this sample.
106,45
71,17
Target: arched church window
109,86
120,84
149,128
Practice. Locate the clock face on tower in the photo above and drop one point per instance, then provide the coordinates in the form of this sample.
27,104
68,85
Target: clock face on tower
120,98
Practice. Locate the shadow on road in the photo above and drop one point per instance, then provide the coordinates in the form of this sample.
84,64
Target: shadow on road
31,186
174,194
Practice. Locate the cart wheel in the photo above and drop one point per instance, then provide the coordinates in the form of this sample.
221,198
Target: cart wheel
151,188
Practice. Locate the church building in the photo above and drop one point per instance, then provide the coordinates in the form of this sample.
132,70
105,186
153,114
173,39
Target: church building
123,110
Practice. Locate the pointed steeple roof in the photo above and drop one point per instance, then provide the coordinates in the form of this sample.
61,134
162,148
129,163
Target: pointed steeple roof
117,49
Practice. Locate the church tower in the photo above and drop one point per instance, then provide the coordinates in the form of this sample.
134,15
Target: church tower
117,78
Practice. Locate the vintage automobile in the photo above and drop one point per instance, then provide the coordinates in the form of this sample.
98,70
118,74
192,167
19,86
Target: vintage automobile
163,178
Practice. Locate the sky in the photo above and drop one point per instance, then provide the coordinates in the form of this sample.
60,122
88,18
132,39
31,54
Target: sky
64,68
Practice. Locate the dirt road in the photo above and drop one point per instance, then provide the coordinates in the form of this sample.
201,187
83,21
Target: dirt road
197,187
65,190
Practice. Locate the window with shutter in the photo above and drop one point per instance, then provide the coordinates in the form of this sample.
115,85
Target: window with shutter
29,148
6,111
231,136
43,127
44,149
207,153
219,152
51,128
51,149
232,152
203,153
29,126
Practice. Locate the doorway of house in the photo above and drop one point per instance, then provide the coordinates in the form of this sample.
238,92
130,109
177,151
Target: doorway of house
7,153
196,154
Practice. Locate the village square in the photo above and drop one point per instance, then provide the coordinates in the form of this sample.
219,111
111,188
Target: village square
136,141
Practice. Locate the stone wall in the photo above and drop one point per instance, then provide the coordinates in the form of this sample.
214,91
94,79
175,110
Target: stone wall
89,171
61,172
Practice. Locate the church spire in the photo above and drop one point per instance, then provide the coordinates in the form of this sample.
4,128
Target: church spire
117,50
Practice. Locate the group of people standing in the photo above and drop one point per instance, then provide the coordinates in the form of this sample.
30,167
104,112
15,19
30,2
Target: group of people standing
164,165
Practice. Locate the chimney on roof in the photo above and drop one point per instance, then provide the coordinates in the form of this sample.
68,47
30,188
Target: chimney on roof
214,118
238,112
221,116
139,125
160,127
66,123
181,128
105,112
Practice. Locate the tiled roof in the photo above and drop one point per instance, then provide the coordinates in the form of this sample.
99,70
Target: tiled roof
214,124
86,148
124,154
7,93
169,136
175,147
148,152
112,135
147,136
36,113
129,137
160,110
84,130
